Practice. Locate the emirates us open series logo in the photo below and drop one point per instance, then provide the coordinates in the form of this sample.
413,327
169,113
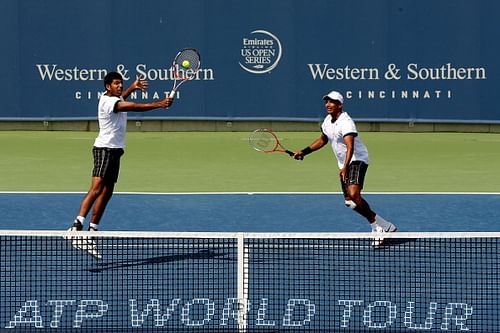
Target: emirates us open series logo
260,52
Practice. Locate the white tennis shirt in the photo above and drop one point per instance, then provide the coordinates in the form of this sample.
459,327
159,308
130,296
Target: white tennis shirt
112,125
336,131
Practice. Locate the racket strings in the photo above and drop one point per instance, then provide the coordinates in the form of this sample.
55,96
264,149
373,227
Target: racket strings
263,141
187,63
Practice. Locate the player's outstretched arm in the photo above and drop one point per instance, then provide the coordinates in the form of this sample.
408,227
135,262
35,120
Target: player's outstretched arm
317,144
124,106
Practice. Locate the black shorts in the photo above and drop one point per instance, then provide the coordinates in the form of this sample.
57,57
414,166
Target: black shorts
355,175
107,163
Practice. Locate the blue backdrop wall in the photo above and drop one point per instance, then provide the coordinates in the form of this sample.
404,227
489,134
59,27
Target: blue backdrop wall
393,60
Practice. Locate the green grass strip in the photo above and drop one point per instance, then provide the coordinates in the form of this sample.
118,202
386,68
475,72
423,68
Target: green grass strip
224,162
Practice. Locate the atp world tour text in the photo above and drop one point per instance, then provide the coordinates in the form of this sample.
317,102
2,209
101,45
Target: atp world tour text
204,312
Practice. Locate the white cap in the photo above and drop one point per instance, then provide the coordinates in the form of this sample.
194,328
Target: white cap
335,95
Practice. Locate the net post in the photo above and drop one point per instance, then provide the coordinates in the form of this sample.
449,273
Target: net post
242,282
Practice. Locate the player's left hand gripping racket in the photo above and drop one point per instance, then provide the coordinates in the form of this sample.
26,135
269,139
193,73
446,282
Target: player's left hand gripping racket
264,140
184,68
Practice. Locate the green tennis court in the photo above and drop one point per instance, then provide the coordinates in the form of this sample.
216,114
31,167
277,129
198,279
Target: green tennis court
224,162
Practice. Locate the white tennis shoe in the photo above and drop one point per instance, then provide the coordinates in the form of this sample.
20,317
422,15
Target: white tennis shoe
83,243
379,241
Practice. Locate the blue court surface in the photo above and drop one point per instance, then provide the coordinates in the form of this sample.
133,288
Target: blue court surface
233,212
190,284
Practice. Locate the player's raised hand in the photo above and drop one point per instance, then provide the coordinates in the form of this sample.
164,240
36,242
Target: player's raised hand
140,83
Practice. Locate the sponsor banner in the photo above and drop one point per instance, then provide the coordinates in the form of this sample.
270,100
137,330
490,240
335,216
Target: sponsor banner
391,61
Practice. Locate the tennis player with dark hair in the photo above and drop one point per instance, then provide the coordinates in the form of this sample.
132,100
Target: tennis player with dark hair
109,145
340,131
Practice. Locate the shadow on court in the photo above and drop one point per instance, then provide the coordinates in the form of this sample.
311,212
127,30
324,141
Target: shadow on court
202,255
393,242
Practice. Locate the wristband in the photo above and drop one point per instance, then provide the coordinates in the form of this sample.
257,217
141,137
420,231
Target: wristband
307,150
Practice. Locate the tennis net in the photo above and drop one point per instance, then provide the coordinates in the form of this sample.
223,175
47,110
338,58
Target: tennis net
248,282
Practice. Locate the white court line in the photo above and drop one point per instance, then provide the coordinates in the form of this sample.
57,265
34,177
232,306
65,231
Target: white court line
252,235
259,193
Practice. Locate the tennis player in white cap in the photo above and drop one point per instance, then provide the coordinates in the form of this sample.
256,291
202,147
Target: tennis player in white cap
340,131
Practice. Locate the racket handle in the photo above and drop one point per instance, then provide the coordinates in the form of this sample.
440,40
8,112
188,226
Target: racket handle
291,153
172,93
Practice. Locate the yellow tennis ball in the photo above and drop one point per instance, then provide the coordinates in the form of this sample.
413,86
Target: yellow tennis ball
185,64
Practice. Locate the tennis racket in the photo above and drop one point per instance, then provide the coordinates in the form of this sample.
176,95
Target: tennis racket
264,140
186,64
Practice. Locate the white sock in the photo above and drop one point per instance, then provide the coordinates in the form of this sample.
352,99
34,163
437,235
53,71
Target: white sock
93,226
80,219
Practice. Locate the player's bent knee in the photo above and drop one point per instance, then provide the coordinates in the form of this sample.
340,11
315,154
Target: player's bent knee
350,204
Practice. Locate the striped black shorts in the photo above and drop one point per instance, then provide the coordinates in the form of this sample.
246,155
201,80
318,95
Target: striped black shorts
356,175
107,163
